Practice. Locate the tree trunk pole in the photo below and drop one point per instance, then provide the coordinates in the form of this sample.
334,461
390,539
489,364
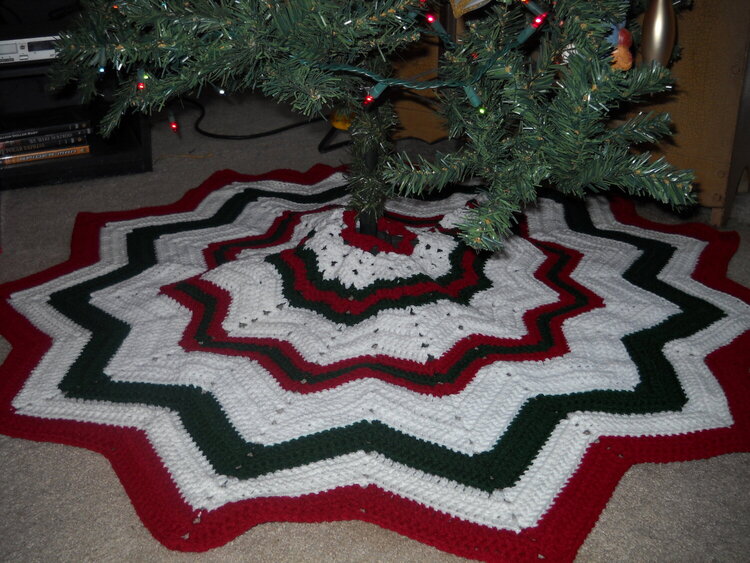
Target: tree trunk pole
368,220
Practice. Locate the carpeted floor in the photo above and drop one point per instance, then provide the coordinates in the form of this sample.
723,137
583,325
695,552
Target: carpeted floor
62,503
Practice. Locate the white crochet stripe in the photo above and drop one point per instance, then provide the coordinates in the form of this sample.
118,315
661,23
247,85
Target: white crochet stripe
112,243
535,491
67,344
580,370
522,293
489,403
358,268
508,505
259,307
678,273
684,260
146,358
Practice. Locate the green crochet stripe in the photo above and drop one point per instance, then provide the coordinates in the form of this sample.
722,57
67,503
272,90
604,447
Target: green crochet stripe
316,278
228,250
208,311
229,454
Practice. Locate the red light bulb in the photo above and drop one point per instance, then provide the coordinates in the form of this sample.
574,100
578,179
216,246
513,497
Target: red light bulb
174,126
539,20
369,98
141,85
430,18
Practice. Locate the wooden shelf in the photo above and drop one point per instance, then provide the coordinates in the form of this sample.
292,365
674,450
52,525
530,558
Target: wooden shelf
709,109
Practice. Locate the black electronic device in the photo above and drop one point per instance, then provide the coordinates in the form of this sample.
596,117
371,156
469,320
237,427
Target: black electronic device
27,34
28,43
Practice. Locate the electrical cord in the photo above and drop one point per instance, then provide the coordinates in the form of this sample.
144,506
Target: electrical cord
325,144
269,133
8,10
65,11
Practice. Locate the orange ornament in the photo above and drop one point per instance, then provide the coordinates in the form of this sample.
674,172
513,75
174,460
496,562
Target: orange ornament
622,58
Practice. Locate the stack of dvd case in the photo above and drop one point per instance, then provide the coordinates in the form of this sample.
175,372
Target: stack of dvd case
31,138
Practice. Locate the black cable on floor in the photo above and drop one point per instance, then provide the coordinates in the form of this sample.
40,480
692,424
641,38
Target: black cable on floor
269,133
325,144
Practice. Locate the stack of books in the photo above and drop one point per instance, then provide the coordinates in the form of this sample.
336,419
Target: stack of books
35,138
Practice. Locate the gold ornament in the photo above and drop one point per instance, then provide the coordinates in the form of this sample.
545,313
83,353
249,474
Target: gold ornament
341,119
659,32
461,7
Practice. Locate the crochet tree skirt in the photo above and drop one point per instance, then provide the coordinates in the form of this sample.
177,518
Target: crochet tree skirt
245,355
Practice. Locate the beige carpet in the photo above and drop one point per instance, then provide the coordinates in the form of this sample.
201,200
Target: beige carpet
65,504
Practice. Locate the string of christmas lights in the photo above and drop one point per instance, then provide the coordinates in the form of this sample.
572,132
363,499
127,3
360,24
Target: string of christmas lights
546,120
382,83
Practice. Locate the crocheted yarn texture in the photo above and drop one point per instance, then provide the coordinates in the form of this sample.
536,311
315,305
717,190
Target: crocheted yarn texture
242,357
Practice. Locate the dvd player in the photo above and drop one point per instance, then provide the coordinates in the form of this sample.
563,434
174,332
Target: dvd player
29,43
28,49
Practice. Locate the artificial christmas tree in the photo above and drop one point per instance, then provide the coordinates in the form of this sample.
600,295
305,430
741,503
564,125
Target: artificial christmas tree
528,89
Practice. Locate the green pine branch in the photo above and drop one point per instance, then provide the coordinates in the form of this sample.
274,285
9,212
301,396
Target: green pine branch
410,178
642,128
546,103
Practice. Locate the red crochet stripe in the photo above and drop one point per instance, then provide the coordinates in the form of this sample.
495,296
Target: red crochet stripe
369,242
287,221
558,535
358,306
438,365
